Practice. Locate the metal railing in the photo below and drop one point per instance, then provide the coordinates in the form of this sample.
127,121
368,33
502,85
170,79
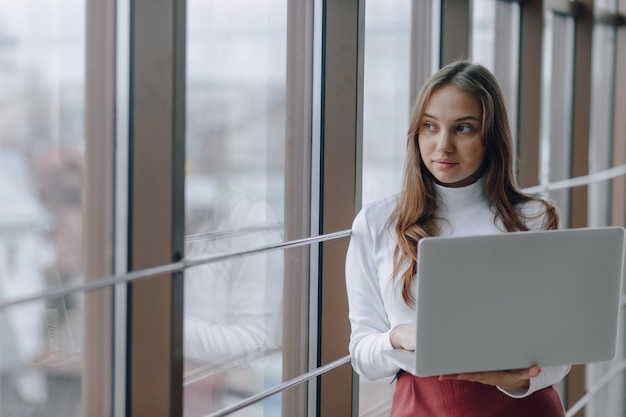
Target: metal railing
595,389
279,388
100,283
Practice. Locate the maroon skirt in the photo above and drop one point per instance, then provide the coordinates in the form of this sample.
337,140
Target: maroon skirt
429,397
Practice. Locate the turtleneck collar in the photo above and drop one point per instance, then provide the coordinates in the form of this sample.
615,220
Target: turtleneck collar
462,196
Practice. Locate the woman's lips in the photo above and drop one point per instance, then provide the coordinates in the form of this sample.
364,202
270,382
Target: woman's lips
445,163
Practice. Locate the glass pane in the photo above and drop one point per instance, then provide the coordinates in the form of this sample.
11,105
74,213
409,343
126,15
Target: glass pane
610,399
235,198
40,359
484,32
386,101
386,111
496,45
236,98
232,330
605,5
601,121
41,175
556,115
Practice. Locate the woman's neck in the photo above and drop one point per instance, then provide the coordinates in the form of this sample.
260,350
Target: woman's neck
461,196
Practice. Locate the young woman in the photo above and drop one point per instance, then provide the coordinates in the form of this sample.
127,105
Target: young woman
458,181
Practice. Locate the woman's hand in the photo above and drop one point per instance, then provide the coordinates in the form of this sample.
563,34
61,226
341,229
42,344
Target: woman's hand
513,379
403,336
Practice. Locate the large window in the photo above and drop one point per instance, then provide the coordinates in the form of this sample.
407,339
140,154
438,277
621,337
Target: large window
178,180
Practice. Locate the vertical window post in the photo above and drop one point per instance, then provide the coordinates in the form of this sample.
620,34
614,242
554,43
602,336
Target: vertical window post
98,204
341,136
156,218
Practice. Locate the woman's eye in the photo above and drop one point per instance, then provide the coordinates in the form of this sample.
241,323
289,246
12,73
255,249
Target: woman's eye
429,126
464,128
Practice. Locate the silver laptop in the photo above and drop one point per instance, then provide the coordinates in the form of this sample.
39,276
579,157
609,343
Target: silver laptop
514,300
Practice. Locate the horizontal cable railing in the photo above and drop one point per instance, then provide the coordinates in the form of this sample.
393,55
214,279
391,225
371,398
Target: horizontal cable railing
207,370
133,276
70,288
220,234
18,226
579,181
282,387
594,389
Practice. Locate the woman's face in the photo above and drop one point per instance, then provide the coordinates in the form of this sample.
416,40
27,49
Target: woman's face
450,137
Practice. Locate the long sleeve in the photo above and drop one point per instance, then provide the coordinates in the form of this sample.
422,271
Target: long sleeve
370,324
549,376
375,301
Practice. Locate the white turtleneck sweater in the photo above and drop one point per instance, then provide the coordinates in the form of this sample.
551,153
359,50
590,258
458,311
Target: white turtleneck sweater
375,302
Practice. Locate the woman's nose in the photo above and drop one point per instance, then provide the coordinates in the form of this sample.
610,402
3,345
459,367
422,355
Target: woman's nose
445,143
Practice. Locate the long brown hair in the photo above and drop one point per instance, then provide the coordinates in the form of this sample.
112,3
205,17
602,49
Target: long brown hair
415,214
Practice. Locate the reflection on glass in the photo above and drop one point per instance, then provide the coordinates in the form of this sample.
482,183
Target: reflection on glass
41,165
232,319
231,307
40,360
236,63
